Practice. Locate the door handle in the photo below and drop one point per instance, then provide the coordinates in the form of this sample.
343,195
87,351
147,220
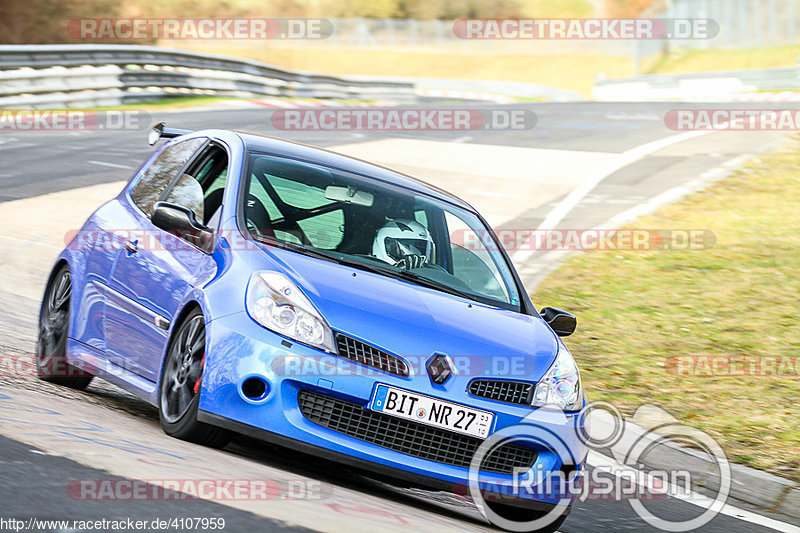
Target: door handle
131,247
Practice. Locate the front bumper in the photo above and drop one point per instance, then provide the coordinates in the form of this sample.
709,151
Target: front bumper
240,349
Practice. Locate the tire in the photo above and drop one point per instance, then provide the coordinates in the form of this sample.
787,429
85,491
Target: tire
520,514
51,343
178,394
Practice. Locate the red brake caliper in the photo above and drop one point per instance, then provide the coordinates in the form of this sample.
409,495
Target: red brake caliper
199,379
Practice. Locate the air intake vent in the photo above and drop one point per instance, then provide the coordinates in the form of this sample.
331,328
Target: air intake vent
365,354
518,392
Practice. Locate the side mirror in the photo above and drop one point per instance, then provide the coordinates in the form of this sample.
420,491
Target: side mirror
180,221
561,322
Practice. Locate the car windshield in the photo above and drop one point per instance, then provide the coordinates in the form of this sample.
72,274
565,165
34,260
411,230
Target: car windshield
376,226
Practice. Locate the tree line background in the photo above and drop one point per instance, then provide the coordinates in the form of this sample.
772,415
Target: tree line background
45,21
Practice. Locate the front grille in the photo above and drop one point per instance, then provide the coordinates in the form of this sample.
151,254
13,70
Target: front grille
405,436
365,354
518,392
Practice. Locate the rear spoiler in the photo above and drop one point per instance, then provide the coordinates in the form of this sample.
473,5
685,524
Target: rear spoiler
160,131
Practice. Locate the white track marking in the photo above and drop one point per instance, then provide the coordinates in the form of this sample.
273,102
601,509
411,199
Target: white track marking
112,165
673,195
563,208
550,260
597,460
30,242
17,146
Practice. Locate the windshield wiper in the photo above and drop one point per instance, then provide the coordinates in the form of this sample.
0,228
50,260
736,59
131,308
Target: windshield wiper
413,277
299,248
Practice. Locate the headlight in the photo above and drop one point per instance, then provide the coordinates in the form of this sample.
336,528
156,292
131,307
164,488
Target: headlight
277,304
561,385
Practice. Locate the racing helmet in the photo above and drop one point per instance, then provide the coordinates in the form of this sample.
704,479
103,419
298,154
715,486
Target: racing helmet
404,242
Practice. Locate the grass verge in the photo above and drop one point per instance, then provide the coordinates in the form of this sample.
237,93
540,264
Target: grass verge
571,72
711,60
637,309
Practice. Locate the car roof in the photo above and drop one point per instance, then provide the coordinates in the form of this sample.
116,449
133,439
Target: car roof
314,154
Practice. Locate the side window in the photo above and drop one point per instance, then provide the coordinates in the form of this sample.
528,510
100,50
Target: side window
421,216
202,187
216,183
187,192
323,230
161,171
472,263
258,192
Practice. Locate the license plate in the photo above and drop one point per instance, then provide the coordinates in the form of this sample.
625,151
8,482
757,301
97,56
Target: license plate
432,411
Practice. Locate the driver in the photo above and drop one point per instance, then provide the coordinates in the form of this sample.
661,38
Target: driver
403,243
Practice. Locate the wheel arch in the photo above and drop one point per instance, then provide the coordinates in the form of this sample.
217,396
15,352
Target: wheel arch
188,307
60,262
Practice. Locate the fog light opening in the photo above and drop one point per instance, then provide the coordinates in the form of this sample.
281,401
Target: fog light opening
254,389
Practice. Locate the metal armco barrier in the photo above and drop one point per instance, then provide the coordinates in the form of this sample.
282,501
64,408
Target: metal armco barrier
43,76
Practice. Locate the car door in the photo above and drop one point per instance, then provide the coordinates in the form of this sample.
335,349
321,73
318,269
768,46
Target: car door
155,270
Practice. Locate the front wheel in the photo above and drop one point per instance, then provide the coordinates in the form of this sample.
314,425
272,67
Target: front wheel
179,393
51,342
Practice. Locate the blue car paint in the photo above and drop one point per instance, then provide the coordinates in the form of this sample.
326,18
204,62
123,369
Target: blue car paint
113,331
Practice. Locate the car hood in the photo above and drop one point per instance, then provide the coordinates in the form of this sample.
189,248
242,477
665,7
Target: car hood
415,322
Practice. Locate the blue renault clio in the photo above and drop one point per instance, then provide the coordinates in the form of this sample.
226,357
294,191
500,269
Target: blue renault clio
247,284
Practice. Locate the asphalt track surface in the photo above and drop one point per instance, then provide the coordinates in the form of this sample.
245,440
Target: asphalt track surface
38,461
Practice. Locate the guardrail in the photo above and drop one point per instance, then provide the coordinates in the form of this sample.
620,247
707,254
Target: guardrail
41,76
720,86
